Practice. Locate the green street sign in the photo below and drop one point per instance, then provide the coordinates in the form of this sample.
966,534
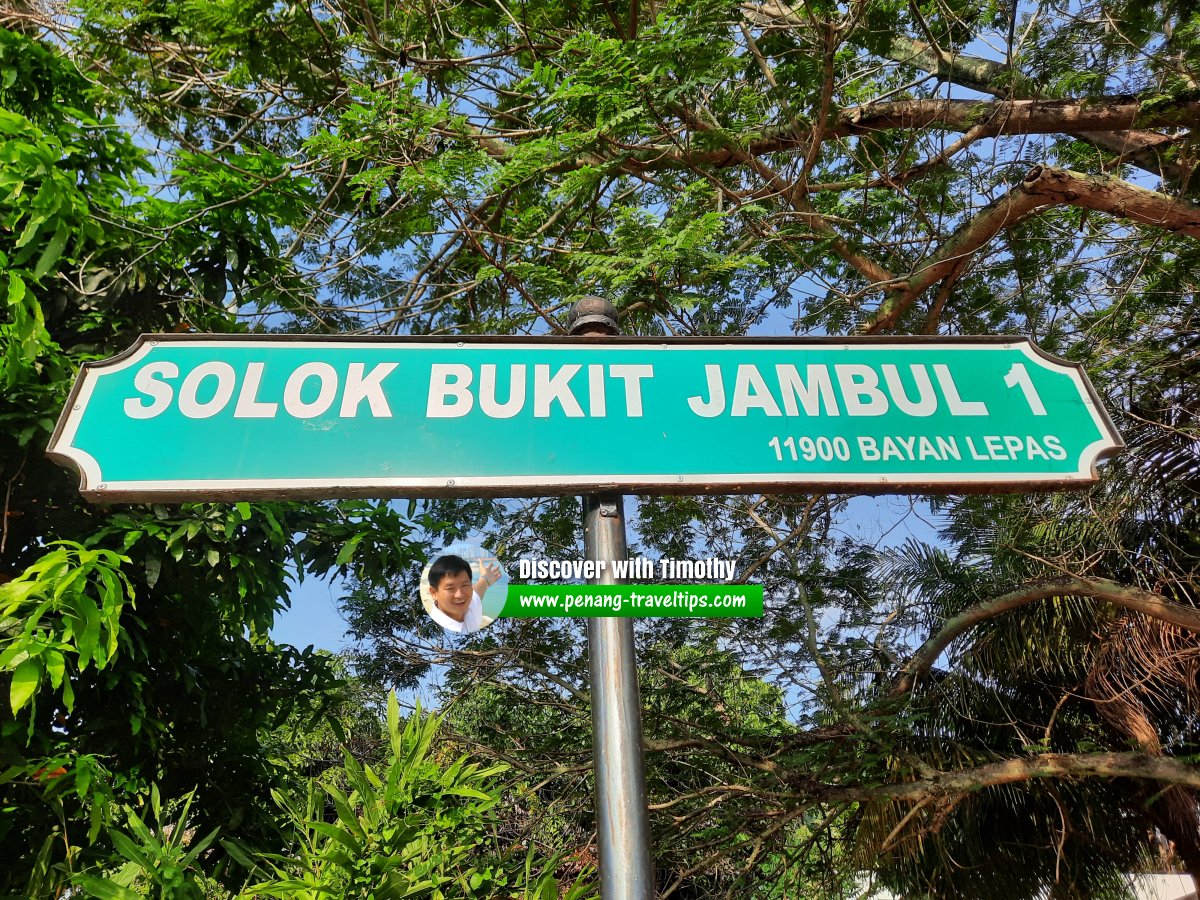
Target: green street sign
238,417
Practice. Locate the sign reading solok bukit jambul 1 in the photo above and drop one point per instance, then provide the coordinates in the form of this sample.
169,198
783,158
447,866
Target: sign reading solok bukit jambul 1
212,417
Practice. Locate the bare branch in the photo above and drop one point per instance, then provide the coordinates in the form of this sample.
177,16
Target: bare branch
1014,771
1139,147
1150,604
1043,186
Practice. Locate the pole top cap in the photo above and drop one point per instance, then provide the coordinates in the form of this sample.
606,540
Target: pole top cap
592,314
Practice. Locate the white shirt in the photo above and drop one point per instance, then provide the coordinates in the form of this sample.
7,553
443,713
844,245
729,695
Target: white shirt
472,621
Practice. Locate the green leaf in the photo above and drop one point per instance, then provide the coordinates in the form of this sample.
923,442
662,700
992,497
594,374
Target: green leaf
24,683
197,847
238,854
16,290
343,837
16,653
393,716
103,889
87,633
139,828
153,569
55,665
13,772
83,778
465,792
347,552
345,811
52,252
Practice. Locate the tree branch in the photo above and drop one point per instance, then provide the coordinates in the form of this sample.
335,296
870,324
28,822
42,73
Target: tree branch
1154,605
1012,771
980,118
1118,113
1043,186
795,197
1115,196
1142,148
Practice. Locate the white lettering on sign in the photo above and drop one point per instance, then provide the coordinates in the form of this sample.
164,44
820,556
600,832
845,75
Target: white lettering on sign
926,402
293,401
632,375
597,403
812,391
360,387
189,394
442,389
861,392
487,392
1011,446
956,405
750,392
208,389
915,448
716,395
548,389
147,381
248,405
573,391
552,389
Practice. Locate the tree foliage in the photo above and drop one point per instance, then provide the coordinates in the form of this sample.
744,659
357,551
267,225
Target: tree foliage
412,824
124,632
1021,689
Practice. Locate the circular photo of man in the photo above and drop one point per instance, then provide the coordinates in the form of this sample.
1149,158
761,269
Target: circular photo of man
463,591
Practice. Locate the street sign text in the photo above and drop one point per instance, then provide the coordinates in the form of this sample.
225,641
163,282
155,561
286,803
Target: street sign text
241,416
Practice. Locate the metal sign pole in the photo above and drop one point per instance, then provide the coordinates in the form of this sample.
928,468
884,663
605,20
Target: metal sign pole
622,821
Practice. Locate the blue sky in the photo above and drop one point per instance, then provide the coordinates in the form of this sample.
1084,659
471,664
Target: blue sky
313,617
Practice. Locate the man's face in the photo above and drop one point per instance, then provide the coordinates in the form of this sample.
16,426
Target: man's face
453,595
